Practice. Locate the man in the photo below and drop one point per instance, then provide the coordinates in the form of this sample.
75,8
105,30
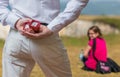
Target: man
23,49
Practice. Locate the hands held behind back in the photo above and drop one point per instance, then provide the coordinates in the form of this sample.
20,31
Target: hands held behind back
44,31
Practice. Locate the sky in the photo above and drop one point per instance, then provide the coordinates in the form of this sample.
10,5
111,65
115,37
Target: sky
109,7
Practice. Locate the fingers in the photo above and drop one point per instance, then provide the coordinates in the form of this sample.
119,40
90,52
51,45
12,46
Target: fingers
45,32
20,24
30,35
33,35
25,20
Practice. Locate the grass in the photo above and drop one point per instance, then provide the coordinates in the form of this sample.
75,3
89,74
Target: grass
1,46
74,45
113,45
1,43
71,41
80,42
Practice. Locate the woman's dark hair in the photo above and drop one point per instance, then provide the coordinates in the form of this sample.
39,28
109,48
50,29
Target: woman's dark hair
95,30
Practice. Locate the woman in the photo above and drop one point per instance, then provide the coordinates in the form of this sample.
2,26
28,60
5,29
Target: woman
100,52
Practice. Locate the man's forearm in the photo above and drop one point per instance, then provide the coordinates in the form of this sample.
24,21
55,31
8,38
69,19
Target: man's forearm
71,12
6,16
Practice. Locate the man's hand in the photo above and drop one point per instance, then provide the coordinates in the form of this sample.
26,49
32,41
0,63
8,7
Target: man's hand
44,33
20,23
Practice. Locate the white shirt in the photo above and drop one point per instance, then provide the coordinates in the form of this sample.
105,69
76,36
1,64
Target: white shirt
45,11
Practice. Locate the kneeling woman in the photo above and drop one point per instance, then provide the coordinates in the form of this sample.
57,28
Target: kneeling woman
100,51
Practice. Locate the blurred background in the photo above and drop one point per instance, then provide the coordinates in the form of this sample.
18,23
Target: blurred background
103,13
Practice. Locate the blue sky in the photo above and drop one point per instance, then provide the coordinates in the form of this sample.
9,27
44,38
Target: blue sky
109,7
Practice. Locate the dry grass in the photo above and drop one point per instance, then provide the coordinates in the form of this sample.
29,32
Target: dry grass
76,64
113,44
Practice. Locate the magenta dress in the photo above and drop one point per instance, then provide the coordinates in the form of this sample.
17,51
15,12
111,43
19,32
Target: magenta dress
100,53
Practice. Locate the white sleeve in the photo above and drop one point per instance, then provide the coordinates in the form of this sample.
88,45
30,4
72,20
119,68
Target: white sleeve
6,16
70,13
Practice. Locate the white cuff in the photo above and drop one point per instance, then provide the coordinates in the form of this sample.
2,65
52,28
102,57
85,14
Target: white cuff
56,25
11,20
55,28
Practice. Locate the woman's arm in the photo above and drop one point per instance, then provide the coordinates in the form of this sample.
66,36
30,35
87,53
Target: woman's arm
86,51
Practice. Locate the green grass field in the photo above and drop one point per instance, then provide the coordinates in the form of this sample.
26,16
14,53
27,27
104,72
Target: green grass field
74,45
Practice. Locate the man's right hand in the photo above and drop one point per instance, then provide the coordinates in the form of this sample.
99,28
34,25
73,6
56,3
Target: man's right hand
21,22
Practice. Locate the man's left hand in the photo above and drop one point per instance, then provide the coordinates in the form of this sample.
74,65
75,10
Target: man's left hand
43,34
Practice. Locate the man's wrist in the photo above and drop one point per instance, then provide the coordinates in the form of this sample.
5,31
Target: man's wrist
16,23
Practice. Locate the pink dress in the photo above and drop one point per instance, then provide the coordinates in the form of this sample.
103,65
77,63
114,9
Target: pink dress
100,53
